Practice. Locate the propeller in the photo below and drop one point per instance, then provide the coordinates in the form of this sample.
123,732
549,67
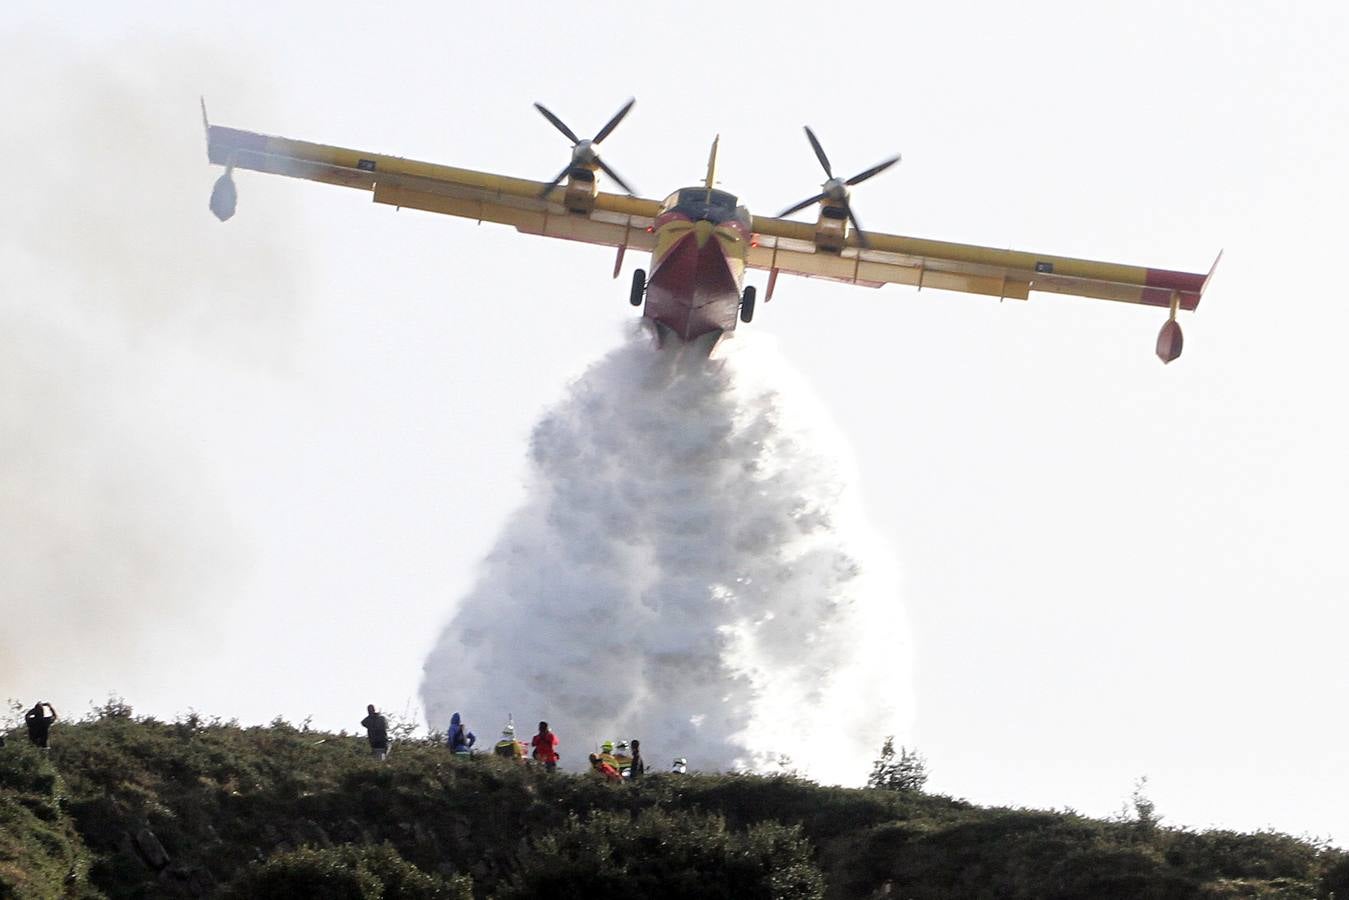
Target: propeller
583,151
836,189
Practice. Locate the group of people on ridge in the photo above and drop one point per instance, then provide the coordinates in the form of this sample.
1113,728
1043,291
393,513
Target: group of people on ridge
460,739
542,747
614,762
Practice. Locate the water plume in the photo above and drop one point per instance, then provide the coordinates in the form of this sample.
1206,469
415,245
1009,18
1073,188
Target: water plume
690,567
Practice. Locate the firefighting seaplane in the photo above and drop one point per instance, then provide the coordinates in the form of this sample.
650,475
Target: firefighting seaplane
701,239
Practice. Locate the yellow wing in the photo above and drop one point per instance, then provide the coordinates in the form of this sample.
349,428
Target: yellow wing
614,220
788,246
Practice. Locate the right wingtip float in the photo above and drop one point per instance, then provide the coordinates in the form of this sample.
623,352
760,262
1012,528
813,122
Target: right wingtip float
701,239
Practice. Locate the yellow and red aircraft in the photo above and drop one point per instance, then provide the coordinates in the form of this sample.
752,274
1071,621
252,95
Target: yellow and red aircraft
700,238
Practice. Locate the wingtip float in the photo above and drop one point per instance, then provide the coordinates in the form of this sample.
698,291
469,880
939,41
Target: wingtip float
702,239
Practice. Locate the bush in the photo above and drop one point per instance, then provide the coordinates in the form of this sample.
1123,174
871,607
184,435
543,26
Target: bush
1264,854
41,854
343,873
657,854
905,772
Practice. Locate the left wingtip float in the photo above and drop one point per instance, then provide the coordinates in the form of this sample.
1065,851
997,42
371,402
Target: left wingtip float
224,195
1171,340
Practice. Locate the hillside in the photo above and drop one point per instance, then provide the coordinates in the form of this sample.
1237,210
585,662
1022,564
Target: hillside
125,807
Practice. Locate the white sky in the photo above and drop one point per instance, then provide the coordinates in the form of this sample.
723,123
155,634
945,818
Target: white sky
310,422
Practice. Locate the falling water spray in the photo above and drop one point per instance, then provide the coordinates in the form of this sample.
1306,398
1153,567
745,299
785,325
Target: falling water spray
690,567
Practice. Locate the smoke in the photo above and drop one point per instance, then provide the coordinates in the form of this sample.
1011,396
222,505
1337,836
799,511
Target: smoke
115,296
690,568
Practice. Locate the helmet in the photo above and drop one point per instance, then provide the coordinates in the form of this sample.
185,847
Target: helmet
622,746
508,732
607,746
680,766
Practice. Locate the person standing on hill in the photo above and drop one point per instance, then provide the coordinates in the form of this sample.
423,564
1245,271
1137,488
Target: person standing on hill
39,723
508,747
377,730
460,739
606,755
637,766
545,747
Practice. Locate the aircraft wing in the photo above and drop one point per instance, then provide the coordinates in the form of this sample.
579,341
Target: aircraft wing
787,246
616,220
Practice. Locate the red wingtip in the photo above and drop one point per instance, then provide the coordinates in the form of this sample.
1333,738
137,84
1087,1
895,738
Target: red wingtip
1209,277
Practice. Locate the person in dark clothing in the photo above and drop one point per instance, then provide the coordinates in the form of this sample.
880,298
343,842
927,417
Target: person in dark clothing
40,723
637,767
460,740
377,730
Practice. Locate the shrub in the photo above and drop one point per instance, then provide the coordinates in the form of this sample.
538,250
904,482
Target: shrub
905,772
343,873
658,854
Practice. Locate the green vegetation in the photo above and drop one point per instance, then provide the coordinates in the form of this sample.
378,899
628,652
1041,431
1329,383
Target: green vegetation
905,772
128,808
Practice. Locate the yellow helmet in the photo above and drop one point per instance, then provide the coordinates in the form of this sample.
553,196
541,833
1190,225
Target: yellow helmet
607,746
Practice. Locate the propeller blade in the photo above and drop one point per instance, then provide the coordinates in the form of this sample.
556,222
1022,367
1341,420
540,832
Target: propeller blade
819,153
802,205
874,170
554,183
557,123
614,175
613,123
857,227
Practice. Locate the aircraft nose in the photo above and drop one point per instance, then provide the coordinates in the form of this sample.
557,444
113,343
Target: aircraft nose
702,231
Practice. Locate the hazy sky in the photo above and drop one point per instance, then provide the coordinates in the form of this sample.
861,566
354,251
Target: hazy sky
249,468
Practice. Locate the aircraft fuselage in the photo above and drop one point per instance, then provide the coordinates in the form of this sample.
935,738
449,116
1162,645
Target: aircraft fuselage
698,264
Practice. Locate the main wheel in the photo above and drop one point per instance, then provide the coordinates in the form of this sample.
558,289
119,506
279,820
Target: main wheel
638,287
747,304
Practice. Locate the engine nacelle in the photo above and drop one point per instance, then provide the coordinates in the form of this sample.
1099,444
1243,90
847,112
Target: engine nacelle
831,229
581,191
224,197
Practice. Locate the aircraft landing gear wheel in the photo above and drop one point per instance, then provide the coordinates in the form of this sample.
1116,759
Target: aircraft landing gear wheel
638,287
747,304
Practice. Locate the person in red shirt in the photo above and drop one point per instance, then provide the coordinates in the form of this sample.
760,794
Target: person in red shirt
545,747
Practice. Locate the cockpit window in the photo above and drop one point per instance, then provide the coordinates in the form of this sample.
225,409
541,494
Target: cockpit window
701,203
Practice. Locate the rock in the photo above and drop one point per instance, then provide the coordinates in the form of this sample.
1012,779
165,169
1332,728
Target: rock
150,850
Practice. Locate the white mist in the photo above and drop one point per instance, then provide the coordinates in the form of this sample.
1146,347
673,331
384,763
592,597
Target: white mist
691,568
